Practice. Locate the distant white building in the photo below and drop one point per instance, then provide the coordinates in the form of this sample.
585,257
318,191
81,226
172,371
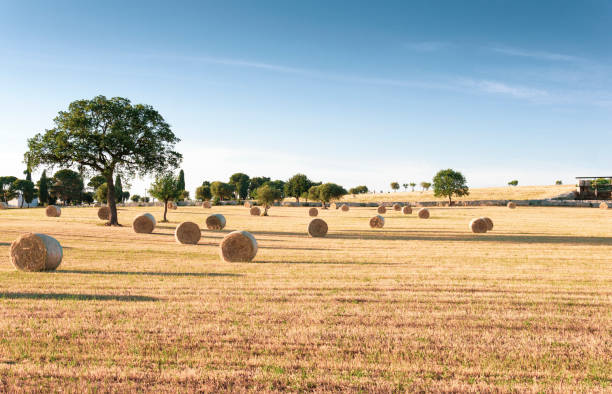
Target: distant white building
16,203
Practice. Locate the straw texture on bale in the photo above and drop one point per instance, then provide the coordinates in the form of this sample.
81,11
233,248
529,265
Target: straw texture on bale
53,212
171,205
144,224
104,213
317,228
248,204
397,207
345,208
313,212
478,225
381,210
406,210
377,222
255,211
238,247
206,204
423,213
511,205
3,205
36,252
215,222
187,233
489,223
603,205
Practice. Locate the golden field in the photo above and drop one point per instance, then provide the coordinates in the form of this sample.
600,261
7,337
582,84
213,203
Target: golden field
484,193
418,305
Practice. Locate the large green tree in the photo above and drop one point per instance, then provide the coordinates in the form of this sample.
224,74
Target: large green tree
222,190
107,137
7,189
203,193
358,190
240,182
165,188
449,183
296,186
67,185
326,193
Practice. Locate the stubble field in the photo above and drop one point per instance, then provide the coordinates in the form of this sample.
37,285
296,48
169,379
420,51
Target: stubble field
417,305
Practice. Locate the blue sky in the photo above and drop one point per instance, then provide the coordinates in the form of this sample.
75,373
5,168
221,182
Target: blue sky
344,91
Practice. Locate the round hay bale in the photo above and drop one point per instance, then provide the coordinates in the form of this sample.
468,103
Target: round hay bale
397,207
248,204
36,252
406,210
377,222
238,247
206,204
171,205
215,222
255,211
3,205
313,212
345,208
317,228
478,225
489,223
53,211
423,213
511,205
603,205
104,213
382,210
187,233
144,224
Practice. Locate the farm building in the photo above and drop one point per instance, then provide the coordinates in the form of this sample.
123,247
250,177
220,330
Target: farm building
594,187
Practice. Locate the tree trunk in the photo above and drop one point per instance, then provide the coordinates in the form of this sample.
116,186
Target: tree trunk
111,201
324,205
165,210
450,202
265,210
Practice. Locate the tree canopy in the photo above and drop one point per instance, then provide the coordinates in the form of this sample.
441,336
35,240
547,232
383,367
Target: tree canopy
67,185
222,190
267,195
107,137
326,193
358,190
26,189
7,189
240,182
296,186
448,182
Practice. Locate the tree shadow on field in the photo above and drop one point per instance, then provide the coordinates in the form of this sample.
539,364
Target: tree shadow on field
74,297
145,273
468,237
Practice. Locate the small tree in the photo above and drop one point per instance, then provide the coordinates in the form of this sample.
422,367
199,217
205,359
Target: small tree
181,181
255,183
95,182
513,183
405,186
43,189
395,186
221,190
278,185
101,193
125,196
412,185
165,188
266,196
296,186
203,193
107,137
118,189
7,189
326,193
25,189
240,182
448,182
425,185
135,198
559,182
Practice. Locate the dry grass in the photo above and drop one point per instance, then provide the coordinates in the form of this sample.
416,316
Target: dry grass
488,193
417,305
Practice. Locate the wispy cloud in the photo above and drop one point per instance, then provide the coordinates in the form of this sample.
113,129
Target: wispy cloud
540,55
427,46
502,88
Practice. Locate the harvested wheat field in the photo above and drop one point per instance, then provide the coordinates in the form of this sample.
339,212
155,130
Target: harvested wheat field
417,305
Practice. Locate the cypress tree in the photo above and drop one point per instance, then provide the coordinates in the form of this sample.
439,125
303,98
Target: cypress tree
43,192
118,189
181,180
